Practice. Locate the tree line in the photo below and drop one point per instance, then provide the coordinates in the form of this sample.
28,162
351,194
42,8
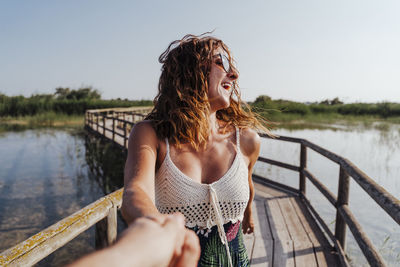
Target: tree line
62,101
77,101
265,105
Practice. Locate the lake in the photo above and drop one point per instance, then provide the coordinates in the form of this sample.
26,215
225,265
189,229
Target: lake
47,174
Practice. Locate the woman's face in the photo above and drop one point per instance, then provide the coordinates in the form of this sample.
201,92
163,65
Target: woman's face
220,82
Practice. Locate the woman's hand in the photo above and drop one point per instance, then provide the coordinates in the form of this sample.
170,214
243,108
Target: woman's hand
248,223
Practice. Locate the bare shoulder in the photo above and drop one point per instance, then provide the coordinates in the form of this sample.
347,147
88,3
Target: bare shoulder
249,142
143,132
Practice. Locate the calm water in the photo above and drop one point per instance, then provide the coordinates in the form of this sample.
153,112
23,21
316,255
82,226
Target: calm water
376,152
46,175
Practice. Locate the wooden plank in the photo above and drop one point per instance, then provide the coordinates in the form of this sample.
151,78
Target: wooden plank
303,248
262,253
324,253
323,250
283,245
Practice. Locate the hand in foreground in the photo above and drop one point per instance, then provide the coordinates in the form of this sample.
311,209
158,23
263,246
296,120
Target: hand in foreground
248,223
148,243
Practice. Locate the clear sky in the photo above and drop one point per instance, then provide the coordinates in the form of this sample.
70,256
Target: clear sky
298,50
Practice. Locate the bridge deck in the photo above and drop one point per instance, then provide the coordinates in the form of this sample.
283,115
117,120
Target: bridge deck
286,234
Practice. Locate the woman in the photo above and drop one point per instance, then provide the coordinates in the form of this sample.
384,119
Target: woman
195,151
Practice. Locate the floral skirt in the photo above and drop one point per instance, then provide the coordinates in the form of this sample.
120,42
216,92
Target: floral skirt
213,252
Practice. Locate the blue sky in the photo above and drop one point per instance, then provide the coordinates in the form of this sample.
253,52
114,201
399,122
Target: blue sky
298,50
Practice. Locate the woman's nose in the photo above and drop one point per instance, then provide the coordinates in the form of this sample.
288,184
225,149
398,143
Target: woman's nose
232,74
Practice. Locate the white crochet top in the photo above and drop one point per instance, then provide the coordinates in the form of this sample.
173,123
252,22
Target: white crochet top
204,205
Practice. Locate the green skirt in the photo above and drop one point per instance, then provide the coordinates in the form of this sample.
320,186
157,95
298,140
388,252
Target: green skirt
213,252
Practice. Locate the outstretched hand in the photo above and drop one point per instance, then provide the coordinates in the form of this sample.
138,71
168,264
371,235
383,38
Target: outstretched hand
164,242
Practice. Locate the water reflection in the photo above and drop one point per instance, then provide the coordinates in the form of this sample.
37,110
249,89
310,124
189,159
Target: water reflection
48,174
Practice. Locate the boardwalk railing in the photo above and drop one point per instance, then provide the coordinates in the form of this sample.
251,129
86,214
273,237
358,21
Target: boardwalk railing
102,213
115,124
344,216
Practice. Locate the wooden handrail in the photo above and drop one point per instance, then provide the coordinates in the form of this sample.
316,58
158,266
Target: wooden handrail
344,216
386,200
40,245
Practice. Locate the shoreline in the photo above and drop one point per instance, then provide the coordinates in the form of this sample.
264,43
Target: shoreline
276,121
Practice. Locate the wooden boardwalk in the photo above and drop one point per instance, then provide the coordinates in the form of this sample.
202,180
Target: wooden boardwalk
286,234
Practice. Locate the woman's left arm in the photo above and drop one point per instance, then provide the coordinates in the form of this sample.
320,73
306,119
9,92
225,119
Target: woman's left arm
250,146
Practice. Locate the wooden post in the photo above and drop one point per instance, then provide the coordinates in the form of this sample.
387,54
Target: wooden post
125,139
97,122
342,199
113,128
106,230
303,165
112,225
104,124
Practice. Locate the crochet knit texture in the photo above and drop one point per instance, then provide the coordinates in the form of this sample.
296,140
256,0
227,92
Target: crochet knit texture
201,203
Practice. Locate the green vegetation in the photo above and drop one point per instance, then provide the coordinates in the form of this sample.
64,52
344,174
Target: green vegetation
65,107
327,112
64,101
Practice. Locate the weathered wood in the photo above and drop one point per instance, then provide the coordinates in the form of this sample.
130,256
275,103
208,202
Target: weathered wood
97,122
322,249
106,229
365,244
125,138
340,252
342,199
104,124
279,163
303,165
386,200
262,252
322,188
113,128
303,248
270,183
42,244
112,225
283,244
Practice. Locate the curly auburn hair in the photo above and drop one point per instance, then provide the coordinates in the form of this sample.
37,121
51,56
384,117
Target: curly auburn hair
181,107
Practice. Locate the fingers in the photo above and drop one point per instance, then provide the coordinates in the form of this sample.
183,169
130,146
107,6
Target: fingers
190,251
175,223
248,229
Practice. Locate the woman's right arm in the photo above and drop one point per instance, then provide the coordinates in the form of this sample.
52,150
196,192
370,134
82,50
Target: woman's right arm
139,173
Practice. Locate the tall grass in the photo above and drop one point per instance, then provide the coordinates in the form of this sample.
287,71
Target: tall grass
280,108
29,106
